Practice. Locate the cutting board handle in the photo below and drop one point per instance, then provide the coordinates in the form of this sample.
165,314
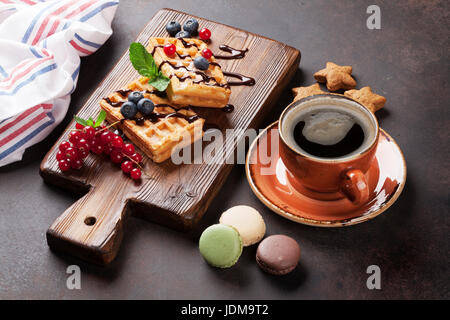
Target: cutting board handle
92,228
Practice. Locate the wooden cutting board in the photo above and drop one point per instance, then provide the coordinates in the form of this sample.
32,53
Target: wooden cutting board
175,196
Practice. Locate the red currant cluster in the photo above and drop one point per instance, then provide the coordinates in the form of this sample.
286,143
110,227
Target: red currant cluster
100,140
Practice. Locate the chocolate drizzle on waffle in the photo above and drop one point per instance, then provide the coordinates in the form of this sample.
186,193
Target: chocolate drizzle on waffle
118,104
113,104
206,79
175,66
160,94
245,81
124,93
186,44
154,116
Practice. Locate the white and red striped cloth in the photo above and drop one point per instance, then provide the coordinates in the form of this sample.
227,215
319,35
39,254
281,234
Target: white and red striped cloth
41,42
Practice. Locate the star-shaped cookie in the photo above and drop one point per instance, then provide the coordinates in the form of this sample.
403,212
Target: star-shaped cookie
336,77
302,92
367,98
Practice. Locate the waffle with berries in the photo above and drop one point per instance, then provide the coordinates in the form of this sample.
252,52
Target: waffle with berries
157,136
189,85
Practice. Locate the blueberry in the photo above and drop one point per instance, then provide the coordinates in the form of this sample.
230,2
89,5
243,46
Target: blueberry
201,63
173,28
145,106
128,110
135,96
183,34
191,26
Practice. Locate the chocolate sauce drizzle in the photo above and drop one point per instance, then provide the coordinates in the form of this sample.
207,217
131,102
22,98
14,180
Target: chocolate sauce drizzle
114,104
215,64
186,44
154,116
228,108
118,104
160,94
235,53
206,79
124,93
245,81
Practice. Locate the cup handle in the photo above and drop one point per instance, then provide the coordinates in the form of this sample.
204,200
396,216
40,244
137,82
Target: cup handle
354,186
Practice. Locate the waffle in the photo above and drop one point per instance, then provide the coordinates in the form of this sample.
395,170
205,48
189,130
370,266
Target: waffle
188,86
156,139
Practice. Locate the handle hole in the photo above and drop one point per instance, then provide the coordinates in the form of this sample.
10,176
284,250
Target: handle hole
90,221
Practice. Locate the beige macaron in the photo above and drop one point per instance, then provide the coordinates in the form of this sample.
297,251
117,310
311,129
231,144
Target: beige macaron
247,221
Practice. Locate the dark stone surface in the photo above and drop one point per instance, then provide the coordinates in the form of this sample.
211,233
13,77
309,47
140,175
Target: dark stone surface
407,61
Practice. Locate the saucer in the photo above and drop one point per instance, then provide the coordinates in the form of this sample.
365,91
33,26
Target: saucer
268,178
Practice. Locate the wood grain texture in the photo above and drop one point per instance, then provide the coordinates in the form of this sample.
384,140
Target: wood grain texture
175,196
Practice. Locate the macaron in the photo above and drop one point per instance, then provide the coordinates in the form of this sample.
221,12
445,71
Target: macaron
220,245
247,221
278,254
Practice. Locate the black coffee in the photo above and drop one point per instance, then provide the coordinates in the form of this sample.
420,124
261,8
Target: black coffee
347,142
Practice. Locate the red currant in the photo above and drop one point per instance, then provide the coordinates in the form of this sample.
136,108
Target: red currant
117,142
204,34
94,143
170,49
97,148
83,154
64,145
64,165
83,145
135,173
76,164
74,137
106,136
108,149
71,153
88,133
136,157
206,53
79,126
60,155
127,166
98,140
116,156
128,149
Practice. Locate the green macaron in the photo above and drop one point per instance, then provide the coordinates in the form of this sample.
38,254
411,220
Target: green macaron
220,245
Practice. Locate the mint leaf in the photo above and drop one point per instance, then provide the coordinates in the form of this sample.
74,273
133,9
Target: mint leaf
144,63
160,83
101,117
90,122
80,121
142,60
146,73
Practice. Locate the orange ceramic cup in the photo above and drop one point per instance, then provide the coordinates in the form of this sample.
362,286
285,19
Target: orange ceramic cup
328,178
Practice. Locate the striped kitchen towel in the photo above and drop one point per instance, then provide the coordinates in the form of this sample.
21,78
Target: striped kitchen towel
41,42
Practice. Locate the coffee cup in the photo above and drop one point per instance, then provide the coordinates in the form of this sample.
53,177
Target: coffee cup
329,156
